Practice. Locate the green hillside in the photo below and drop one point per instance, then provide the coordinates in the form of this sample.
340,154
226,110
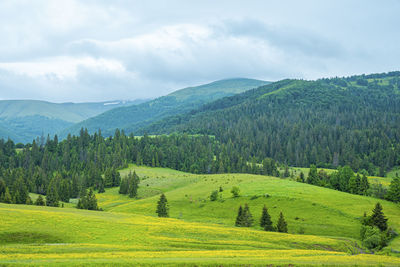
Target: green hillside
27,119
200,232
329,122
133,117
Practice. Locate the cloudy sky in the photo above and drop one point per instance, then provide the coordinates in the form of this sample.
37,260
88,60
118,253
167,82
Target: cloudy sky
102,50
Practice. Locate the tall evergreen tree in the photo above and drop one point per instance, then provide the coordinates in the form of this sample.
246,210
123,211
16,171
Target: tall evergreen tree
162,207
313,176
247,216
7,197
281,226
239,217
40,201
52,197
265,221
377,218
393,193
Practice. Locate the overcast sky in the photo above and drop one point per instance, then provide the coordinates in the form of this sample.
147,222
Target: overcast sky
102,50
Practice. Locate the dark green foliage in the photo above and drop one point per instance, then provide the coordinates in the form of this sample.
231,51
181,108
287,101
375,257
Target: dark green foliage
64,190
129,185
328,123
239,217
393,193
265,221
281,226
269,167
101,187
40,201
214,195
162,207
20,192
377,218
235,191
313,176
112,178
52,196
88,202
244,217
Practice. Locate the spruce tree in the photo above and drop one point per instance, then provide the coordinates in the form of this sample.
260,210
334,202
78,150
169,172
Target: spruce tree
7,197
101,187
364,185
162,207
393,193
313,176
239,217
378,218
247,217
52,197
265,221
281,225
39,201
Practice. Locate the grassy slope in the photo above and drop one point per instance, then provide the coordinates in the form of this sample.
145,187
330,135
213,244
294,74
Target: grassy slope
314,210
128,231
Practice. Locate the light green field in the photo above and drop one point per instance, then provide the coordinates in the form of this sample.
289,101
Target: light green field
200,232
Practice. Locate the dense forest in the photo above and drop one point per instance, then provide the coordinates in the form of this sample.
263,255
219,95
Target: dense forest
333,122
330,123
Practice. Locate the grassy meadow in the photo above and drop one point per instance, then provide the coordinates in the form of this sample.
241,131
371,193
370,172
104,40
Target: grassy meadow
323,225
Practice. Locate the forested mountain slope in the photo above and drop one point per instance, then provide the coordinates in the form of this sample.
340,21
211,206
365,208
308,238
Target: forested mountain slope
133,117
27,119
328,122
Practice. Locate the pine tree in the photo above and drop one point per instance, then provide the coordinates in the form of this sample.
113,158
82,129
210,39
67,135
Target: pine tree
364,185
265,221
162,207
39,201
281,225
378,218
52,197
101,187
20,191
239,217
7,197
247,217
313,176
393,193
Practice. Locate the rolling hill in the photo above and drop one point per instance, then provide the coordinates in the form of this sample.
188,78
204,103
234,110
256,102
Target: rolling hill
323,225
328,122
24,120
133,117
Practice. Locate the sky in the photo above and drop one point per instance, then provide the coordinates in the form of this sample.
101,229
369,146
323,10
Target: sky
87,51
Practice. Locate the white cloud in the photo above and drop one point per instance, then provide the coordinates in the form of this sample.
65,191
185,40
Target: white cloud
101,50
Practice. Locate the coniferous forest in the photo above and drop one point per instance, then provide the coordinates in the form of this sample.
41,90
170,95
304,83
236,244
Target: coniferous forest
329,123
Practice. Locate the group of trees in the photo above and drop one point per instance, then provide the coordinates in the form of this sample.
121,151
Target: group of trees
129,185
244,218
328,122
88,201
344,179
375,233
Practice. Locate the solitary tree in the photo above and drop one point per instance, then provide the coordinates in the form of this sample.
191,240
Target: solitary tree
265,221
378,218
162,207
281,225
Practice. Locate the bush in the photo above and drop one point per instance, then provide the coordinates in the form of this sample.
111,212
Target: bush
235,191
214,195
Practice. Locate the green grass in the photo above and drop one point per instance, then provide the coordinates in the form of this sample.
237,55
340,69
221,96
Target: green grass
200,232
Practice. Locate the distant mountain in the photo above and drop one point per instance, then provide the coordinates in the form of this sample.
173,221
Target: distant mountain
133,117
24,120
328,122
